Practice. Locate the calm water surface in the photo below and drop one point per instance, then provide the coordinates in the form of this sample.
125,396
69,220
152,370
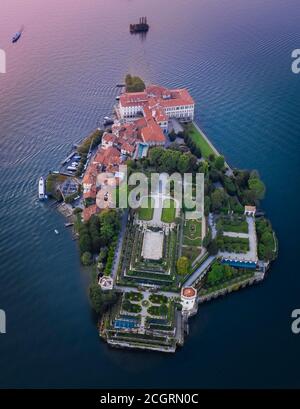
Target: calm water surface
234,56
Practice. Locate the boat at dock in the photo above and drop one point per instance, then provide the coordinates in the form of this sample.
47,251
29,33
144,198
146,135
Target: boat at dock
108,121
42,195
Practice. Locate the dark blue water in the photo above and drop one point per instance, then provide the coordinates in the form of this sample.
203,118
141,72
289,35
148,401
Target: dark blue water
235,59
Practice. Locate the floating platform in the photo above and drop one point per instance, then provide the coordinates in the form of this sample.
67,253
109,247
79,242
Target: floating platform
141,27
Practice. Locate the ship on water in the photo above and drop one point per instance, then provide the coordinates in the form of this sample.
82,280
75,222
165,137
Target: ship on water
17,35
141,27
42,195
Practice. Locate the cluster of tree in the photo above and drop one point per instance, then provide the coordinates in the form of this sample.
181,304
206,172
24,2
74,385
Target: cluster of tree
217,200
134,84
86,258
266,242
170,160
100,231
131,307
210,244
110,259
219,272
53,182
235,191
161,310
183,265
250,189
101,300
232,244
194,148
92,141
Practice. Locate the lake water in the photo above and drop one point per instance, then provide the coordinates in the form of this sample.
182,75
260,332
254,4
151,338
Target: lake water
235,58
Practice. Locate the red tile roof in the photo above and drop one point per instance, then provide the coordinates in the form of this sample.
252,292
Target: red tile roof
127,147
152,133
133,98
88,212
163,96
188,292
91,194
109,156
108,137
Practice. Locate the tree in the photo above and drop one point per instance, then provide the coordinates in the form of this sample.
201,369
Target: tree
207,239
213,247
109,226
218,199
248,197
134,84
215,274
86,258
212,157
207,204
229,185
228,271
85,243
154,155
214,175
241,178
94,230
257,187
183,164
219,162
183,265
101,300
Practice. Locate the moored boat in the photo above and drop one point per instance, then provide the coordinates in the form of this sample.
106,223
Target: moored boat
42,195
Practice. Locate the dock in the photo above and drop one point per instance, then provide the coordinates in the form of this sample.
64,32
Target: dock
68,158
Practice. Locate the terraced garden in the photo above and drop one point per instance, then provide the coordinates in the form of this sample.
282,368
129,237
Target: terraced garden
232,224
192,233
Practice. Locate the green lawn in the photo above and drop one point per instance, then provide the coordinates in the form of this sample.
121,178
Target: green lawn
192,233
146,210
198,138
190,252
169,211
232,224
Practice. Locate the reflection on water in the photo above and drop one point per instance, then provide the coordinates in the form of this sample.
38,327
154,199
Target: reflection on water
60,82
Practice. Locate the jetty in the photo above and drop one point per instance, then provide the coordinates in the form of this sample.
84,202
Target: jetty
68,158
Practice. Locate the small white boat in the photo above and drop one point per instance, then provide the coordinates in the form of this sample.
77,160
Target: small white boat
56,231
42,195
72,168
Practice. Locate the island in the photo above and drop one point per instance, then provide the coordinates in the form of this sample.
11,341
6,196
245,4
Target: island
153,266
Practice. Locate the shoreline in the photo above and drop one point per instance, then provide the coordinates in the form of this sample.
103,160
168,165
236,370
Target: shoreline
193,280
